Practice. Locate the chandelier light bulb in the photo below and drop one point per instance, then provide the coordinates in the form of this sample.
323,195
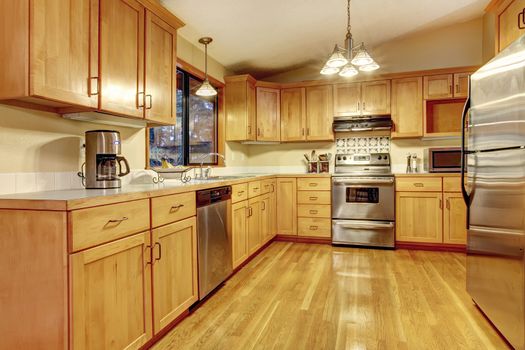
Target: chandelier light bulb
348,71
337,59
329,70
362,58
206,89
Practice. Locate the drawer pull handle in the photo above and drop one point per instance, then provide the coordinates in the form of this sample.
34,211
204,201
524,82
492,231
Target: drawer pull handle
160,251
117,221
313,228
521,19
240,192
419,184
314,198
256,188
313,184
176,207
313,211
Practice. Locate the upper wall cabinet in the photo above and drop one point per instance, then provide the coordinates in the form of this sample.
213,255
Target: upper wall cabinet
293,114
60,56
446,86
268,114
407,107
355,99
510,21
240,108
319,113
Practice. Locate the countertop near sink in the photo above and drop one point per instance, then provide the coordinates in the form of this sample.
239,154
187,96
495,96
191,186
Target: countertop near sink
428,174
82,198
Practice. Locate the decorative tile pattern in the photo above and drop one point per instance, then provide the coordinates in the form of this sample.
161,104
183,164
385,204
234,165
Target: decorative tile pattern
373,144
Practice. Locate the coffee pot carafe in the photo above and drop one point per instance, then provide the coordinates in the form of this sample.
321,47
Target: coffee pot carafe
104,165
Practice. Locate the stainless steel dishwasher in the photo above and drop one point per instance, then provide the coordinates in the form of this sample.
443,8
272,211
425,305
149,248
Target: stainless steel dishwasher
214,245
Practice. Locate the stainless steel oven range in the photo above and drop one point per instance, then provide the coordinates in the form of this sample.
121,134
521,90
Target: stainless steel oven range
363,200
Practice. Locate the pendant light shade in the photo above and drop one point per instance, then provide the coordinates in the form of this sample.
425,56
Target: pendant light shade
348,71
337,59
206,89
362,58
329,70
369,67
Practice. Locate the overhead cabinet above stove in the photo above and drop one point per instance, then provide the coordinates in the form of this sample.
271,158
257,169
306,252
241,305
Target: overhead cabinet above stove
357,99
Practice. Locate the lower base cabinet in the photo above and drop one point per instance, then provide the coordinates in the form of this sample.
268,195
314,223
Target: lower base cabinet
175,279
254,225
418,217
239,215
111,295
454,219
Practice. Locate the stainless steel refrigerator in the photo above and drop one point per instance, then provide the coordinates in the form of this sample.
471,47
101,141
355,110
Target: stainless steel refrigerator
494,190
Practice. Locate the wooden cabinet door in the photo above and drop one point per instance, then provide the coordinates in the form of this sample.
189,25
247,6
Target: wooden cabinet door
419,217
511,23
175,280
273,208
111,295
287,206
293,114
122,57
407,107
239,232
461,84
251,110
347,99
454,219
375,97
64,51
268,114
265,219
254,225
161,71
319,113
437,86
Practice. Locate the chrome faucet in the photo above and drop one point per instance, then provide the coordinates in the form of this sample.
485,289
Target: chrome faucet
205,175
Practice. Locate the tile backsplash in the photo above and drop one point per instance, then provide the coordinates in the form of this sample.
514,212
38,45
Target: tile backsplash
370,144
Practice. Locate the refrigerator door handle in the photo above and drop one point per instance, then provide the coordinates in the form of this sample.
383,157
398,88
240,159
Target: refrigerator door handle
464,151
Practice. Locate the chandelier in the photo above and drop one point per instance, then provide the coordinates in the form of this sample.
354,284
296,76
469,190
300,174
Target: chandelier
206,89
348,61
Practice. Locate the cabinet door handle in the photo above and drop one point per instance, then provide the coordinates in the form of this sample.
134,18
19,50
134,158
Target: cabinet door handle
273,188
419,184
90,87
248,212
302,131
313,198
150,99
313,228
148,247
116,221
451,91
313,212
258,131
521,19
440,204
160,251
263,205
307,131
457,88
176,207
140,100
364,106
249,129
448,204
358,105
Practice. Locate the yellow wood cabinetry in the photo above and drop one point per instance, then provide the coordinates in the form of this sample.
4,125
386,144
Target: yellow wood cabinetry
273,208
107,282
438,86
407,107
265,223
419,217
375,97
254,234
314,227
293,114
239,232
268,114
175,280
161,70
239,192
241,109
168,209
287,206
319,113
510,21
254,189
461,84
347,100
314,207
454,219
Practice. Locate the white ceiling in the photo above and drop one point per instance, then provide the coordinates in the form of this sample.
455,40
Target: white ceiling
265,37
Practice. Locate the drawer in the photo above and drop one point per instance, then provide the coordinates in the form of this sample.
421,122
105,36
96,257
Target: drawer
313,197
317,184
268,186
168,209
418,184
314,211
254,189
452,184
313,227
239,192
93,226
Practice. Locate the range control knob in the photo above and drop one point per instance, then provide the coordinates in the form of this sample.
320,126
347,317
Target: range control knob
344,158
338,158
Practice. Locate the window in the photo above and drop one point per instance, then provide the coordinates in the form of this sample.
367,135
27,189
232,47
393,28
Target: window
195,132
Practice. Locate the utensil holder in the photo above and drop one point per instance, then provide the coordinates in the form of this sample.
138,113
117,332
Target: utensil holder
313,167
324,166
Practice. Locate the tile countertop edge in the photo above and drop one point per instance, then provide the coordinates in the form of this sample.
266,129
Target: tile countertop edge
66,200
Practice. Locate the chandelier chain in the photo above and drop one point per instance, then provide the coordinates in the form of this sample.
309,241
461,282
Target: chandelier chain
348,11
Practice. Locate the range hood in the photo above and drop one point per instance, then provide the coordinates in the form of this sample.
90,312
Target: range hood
105,118
362,123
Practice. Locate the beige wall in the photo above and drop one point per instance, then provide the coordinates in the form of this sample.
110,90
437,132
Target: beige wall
34,141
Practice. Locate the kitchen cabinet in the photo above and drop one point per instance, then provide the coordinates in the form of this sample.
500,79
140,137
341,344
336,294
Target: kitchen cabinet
239,232
174,261
419,217
293,114
319,113
367,98
273,208
314,207
510,21
265,223
160,97
110,281
287,206
454,219
461,82
268,114
241,109
254,234
407,107
438,86
45,61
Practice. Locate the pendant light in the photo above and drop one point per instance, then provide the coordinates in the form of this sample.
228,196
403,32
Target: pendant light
343,60
206,89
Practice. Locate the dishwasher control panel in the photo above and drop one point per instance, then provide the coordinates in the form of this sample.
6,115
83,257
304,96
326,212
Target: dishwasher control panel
213,195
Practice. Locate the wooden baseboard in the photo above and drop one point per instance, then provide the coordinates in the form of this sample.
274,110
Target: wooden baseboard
443,247
300,239
165,330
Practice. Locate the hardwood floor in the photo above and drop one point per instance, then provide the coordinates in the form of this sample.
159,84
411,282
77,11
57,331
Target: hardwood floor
299,296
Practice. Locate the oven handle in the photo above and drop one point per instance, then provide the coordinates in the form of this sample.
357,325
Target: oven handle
364,225
350,182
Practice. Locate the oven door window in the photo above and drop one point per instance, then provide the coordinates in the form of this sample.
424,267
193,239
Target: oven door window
362,195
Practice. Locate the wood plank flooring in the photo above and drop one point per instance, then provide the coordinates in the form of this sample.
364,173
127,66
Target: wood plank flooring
300,296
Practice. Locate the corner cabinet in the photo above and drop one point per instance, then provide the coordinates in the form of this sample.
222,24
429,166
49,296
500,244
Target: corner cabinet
240,108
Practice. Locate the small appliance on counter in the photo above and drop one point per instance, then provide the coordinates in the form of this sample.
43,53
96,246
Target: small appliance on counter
443,160
102,160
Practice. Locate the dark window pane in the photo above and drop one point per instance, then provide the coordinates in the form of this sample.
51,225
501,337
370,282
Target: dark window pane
202,125
166,142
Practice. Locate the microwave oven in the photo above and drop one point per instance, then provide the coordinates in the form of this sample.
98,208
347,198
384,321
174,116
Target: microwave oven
443,160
